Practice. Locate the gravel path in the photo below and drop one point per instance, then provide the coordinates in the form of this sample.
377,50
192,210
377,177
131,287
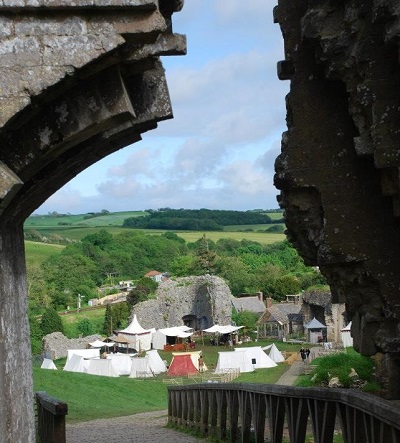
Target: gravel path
147,427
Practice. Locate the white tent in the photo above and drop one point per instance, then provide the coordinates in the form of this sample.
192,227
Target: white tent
86,353
227,329
156,364
101,366
100,344
141,368
122,363
274,353
137,336
233,360
259,359
346,337
76,363
48,364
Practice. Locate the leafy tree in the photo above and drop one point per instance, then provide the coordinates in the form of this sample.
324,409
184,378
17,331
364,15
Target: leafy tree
85,327
206,257
120,313
36,335
183,266
108,323
51,322
287,284
142,291
247,319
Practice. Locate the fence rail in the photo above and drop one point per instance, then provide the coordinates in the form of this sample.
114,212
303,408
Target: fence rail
50,419
238,412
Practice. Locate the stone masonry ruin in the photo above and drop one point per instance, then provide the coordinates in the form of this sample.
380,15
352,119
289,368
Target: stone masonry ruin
338,171
199,302
78,81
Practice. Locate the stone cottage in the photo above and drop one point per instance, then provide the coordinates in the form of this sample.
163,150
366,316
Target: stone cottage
198,302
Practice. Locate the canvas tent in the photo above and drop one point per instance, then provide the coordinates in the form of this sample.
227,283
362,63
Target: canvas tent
194,356
259,359
101,344
101,366
137,336
233,360
48,364
181,365
274,353
159,338
227,329
141,368
346,337
85,353
121,363
76,363
156,364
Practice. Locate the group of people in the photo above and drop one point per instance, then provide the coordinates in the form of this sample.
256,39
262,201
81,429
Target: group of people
304,353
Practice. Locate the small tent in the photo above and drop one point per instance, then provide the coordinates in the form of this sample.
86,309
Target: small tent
122,363
85,353
233,360
259,359
346,337
76,363
101,366
140,368
160,337
48,364
181,365
156,364
274,353
194,356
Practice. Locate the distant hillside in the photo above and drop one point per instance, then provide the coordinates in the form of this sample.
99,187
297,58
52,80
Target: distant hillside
201,219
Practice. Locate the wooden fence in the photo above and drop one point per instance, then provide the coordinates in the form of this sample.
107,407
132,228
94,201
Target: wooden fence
50,419
239,412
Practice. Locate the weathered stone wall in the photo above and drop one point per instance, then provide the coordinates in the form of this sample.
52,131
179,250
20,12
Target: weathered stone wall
339,168
78,80
207,299
56,344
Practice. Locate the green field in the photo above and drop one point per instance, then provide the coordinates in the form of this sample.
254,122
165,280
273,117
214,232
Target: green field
39,252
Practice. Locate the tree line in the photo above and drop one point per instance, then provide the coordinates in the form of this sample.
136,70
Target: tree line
196,219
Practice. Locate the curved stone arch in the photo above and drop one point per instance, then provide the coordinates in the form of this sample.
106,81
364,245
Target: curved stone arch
78,81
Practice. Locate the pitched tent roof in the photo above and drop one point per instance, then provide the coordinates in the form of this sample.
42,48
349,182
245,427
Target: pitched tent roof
76,363
259,359
314,324
141,368
48,364
274,353
194,355
134,328
181,365
233,360
122,363
101,366
156,364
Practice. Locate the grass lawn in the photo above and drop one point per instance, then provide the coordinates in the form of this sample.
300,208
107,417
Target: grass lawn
90,397
70,321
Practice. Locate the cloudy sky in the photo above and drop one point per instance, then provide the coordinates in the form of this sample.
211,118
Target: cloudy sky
229,113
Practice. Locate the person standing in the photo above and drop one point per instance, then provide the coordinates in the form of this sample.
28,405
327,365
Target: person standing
303,354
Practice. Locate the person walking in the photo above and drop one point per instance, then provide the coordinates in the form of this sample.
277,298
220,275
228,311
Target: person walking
303,354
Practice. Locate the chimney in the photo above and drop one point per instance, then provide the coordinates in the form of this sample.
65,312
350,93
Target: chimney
268,302
260,296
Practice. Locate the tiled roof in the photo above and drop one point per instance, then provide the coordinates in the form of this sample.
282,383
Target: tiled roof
279,312
252,304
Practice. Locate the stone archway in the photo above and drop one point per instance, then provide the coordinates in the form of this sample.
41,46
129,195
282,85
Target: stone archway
79,80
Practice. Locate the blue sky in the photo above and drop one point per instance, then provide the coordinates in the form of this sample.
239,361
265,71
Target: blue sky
229,114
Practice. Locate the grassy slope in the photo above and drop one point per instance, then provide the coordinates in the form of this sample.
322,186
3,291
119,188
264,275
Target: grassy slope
39,252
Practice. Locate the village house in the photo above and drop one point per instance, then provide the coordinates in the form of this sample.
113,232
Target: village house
251,303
